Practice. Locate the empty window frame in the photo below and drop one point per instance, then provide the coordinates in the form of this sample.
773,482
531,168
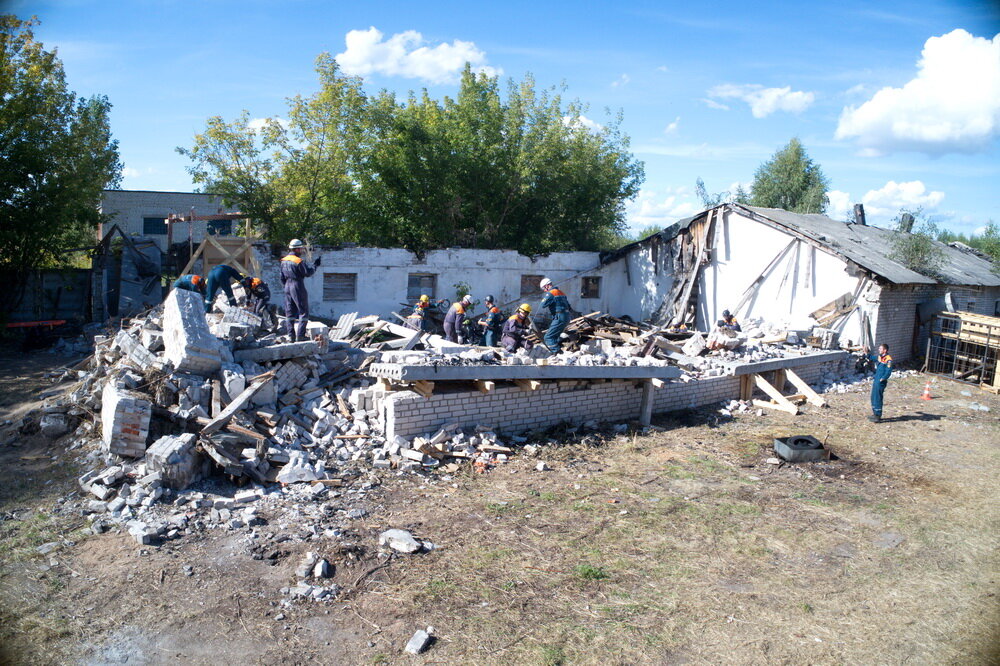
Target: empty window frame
340,286
590,287
154,226
418,284
529,285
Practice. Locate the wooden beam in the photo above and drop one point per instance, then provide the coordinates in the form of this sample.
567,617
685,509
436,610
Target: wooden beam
811,396
746,386
485,385
528,384
216,397
646,405
786,407
657,382
237,404
783,403
424,388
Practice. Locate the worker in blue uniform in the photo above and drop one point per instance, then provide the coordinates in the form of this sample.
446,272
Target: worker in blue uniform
883,369
222,277
729,322
190,282
516,329
558,305
454,321
492,321
294,272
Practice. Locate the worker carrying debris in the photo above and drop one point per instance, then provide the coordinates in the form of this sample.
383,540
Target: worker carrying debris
222,277
516,329
492,321
455,318
419,319
294,272
259,299
557,303
883,369
190,282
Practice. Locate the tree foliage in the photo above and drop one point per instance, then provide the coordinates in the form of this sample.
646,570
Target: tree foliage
917,249
790,180
56,155
518,170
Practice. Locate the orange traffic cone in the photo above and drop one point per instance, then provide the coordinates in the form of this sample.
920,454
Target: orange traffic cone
927,392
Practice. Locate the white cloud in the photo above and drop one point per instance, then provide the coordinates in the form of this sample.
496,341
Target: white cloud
406,54
621,81
663,68
952,105
890,198
840,204
651,207
672,127
258,124
583,122
765,101
712,104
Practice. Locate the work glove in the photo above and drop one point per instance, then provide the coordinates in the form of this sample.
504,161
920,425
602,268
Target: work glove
317,262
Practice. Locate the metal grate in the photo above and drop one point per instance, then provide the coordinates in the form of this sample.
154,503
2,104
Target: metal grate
340,286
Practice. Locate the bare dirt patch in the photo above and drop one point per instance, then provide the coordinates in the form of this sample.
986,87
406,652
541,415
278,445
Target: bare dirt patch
683,546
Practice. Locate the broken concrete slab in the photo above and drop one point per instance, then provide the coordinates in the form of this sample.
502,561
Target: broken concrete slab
188,342
280,352
399,540
413,373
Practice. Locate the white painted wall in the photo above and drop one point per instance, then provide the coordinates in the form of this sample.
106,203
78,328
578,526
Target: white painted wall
127,209
805,279
382,276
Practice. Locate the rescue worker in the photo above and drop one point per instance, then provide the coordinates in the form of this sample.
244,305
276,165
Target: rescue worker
259,299
557,303
516,329
221,277
729,322
190,282
294,272
492,322
419,319
455,318
883,369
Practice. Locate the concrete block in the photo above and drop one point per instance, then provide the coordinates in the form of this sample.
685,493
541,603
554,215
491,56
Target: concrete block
124,421
190,345
176,459
279,352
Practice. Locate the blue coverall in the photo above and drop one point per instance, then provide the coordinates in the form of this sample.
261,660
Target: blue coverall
419,320
557,303
453,322
294,272
221,277
515,334
883,368
492,320
184,283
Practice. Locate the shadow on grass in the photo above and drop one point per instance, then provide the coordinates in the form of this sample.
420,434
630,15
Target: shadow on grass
919,416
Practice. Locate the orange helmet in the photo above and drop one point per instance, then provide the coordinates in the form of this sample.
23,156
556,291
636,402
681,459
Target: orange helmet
254,283
196,280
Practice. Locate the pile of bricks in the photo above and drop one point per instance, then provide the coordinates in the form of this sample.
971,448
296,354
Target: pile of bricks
177,460
124,421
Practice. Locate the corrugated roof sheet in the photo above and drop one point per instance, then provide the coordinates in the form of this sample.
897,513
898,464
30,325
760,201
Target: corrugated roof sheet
870,247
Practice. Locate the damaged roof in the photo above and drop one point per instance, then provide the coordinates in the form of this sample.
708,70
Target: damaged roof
870,248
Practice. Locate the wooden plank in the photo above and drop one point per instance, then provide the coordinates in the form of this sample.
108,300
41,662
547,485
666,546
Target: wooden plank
216,397
237,404
657,382
811,396
746,386
782,407
485,385
528,384
424,388
775,394
760,278
344,409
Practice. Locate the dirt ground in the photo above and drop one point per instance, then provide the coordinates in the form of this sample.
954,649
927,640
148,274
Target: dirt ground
680,547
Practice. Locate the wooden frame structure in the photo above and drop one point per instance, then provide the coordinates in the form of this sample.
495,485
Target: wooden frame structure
965,346
779,401
233,251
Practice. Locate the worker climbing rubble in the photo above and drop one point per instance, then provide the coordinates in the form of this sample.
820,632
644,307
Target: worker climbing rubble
294,271
259,299
190,282
222,277
491,322
558,305
455,319
516,329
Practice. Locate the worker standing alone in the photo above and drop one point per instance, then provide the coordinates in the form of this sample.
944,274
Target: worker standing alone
455,318
492,323
294,272
558,305
883,369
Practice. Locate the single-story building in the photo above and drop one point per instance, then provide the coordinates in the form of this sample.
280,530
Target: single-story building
144,213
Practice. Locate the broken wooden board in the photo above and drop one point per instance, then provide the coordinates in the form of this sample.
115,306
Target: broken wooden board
256,384
528,384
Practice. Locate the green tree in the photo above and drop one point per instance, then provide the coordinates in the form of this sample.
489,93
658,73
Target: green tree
520,171
790,180
56,156
914,243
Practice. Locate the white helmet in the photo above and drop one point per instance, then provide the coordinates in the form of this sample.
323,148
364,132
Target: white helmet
295,244
467,298
545,283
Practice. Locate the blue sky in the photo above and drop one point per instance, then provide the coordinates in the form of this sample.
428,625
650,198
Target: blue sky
899,102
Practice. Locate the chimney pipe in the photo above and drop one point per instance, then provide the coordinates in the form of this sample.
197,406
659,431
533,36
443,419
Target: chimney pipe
906,222
859,214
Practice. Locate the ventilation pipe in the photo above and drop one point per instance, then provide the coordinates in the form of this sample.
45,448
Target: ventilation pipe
906,222
859,214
